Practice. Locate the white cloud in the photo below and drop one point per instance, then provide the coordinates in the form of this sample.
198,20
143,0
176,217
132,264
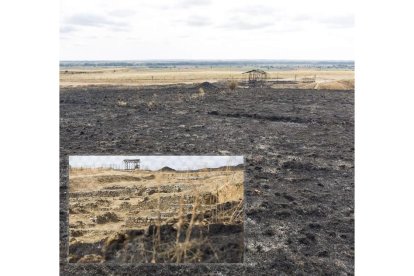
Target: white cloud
67,29
198,21
206,29
122,13
83,20
341,21
241,23
191,3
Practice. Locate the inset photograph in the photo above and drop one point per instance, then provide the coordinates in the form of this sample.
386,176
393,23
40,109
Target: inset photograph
156,209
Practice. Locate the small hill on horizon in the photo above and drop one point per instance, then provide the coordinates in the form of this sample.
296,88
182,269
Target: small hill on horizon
223,168
166,169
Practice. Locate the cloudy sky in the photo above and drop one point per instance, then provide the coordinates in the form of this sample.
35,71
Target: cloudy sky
157,162
206,29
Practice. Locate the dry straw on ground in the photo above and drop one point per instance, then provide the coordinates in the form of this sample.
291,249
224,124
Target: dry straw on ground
233,85
193,201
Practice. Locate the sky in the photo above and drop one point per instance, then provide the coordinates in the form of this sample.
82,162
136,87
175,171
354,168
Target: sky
206,29
156,162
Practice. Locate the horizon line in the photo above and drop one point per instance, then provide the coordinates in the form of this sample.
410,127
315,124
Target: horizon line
172,60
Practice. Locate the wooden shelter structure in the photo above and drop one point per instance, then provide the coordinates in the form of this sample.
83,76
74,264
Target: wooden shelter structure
132,164
256,76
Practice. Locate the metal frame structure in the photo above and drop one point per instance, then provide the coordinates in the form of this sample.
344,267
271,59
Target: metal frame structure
132,164
256,76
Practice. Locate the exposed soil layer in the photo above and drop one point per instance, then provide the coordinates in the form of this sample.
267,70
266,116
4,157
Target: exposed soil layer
299,149
136,246
164,216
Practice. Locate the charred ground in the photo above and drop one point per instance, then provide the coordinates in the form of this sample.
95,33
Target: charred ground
299,148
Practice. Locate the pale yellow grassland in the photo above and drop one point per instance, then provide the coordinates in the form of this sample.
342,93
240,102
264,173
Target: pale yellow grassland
133,77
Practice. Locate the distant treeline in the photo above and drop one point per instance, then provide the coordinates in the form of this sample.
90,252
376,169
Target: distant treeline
267,64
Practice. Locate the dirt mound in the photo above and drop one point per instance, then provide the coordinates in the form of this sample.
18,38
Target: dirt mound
343,84
207,85
107,217
337,85
116,178
91,258
225,168
149,177
166,169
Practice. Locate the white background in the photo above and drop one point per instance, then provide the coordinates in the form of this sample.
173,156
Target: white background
156,162
29,119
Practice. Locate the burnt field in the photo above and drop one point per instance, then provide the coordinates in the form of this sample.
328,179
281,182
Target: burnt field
299,165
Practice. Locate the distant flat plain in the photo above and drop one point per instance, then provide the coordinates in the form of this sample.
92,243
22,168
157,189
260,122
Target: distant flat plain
324,78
